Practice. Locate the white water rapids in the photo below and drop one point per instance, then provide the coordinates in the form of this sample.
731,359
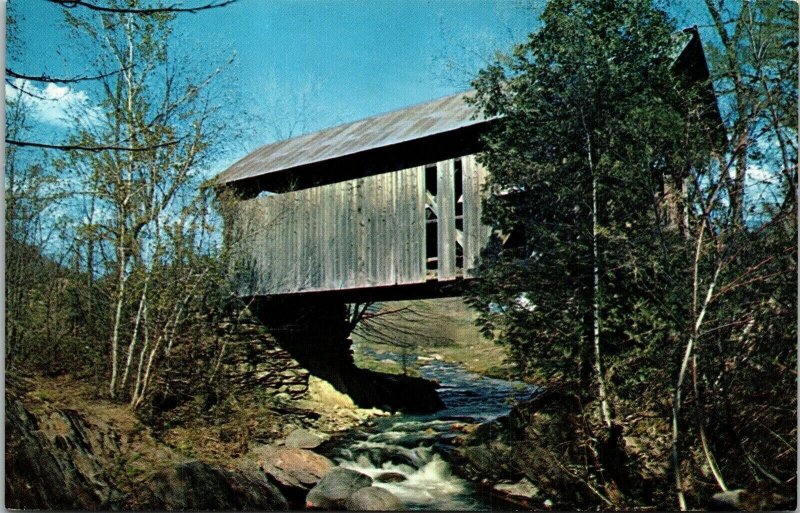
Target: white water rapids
402,453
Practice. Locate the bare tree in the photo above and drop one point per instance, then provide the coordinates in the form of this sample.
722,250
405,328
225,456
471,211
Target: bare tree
167,113
141,11
400,326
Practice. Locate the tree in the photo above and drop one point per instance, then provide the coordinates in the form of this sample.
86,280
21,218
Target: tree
590,115
401,326
147,230
755,68
38,321
745,258
635,285
141,10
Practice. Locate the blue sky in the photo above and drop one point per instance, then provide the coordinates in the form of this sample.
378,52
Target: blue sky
343,60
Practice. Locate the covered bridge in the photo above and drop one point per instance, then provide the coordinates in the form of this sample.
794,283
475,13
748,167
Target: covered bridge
388,201
384,207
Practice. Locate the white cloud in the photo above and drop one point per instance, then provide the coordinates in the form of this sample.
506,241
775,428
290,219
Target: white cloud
54,104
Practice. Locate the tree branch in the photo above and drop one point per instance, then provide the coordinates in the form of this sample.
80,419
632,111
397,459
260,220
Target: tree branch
59,80
78,147
147,11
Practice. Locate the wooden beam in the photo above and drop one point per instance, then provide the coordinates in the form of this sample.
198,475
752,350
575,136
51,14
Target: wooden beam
445,196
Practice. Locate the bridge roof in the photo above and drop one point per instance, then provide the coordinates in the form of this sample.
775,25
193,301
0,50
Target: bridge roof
408,124
398,126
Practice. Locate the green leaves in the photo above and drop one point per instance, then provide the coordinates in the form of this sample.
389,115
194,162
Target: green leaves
592,86
609,153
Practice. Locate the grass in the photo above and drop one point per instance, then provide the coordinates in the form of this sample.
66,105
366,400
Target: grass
434,328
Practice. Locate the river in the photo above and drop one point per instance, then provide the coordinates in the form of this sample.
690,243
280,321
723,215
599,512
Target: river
408,449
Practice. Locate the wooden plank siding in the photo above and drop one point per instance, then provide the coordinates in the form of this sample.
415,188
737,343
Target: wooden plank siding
365,232
446,227
476,234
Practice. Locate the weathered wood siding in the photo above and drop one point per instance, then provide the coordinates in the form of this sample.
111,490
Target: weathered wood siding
475,234
366,232
446,226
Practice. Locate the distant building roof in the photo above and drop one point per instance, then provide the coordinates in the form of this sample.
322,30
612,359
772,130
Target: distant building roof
402,125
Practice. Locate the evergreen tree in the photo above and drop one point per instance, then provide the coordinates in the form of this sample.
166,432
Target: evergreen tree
631,277
583,166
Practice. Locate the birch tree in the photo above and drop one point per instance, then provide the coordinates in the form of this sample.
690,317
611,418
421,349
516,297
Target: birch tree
171,111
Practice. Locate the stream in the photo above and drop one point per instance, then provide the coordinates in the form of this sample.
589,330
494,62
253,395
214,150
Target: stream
403,453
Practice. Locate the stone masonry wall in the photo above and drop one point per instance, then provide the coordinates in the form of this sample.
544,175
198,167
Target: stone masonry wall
252,359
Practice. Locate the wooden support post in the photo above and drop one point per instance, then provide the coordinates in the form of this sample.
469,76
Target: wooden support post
447,222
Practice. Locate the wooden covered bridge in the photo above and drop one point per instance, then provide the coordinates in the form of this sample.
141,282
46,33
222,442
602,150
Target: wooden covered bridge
387,207
389,204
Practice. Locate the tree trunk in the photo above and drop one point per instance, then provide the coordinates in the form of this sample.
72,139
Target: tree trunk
122,279
605,411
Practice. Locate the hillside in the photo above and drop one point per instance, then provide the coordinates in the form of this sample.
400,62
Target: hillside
433,328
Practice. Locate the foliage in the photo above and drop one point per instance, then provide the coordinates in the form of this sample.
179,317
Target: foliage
634,283
589,96
140,259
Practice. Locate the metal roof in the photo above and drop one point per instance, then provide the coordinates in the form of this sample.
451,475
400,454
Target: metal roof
415,122
398,126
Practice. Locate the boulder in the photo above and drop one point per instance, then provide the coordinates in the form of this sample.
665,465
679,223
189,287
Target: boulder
493,461
335,488
725,501
53,461
303,439
390,477
292,468
66,460
524,488
760,498
199,486
373,498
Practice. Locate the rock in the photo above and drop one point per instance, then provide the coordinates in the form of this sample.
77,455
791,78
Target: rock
335,488
390,477
53,461
391,392
66,460
524,488
291,467
758,499
725,501
321,391
303,439
199,486
491,461
373,498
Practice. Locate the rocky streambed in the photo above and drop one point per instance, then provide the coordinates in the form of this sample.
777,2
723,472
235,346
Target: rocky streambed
64,458
413,456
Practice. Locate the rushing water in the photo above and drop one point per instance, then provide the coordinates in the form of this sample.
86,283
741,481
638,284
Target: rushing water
406,449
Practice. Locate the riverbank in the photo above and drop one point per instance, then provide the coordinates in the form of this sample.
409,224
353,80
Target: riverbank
68,448
430,330
169,460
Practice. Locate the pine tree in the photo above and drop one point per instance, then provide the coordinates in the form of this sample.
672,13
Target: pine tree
581,164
